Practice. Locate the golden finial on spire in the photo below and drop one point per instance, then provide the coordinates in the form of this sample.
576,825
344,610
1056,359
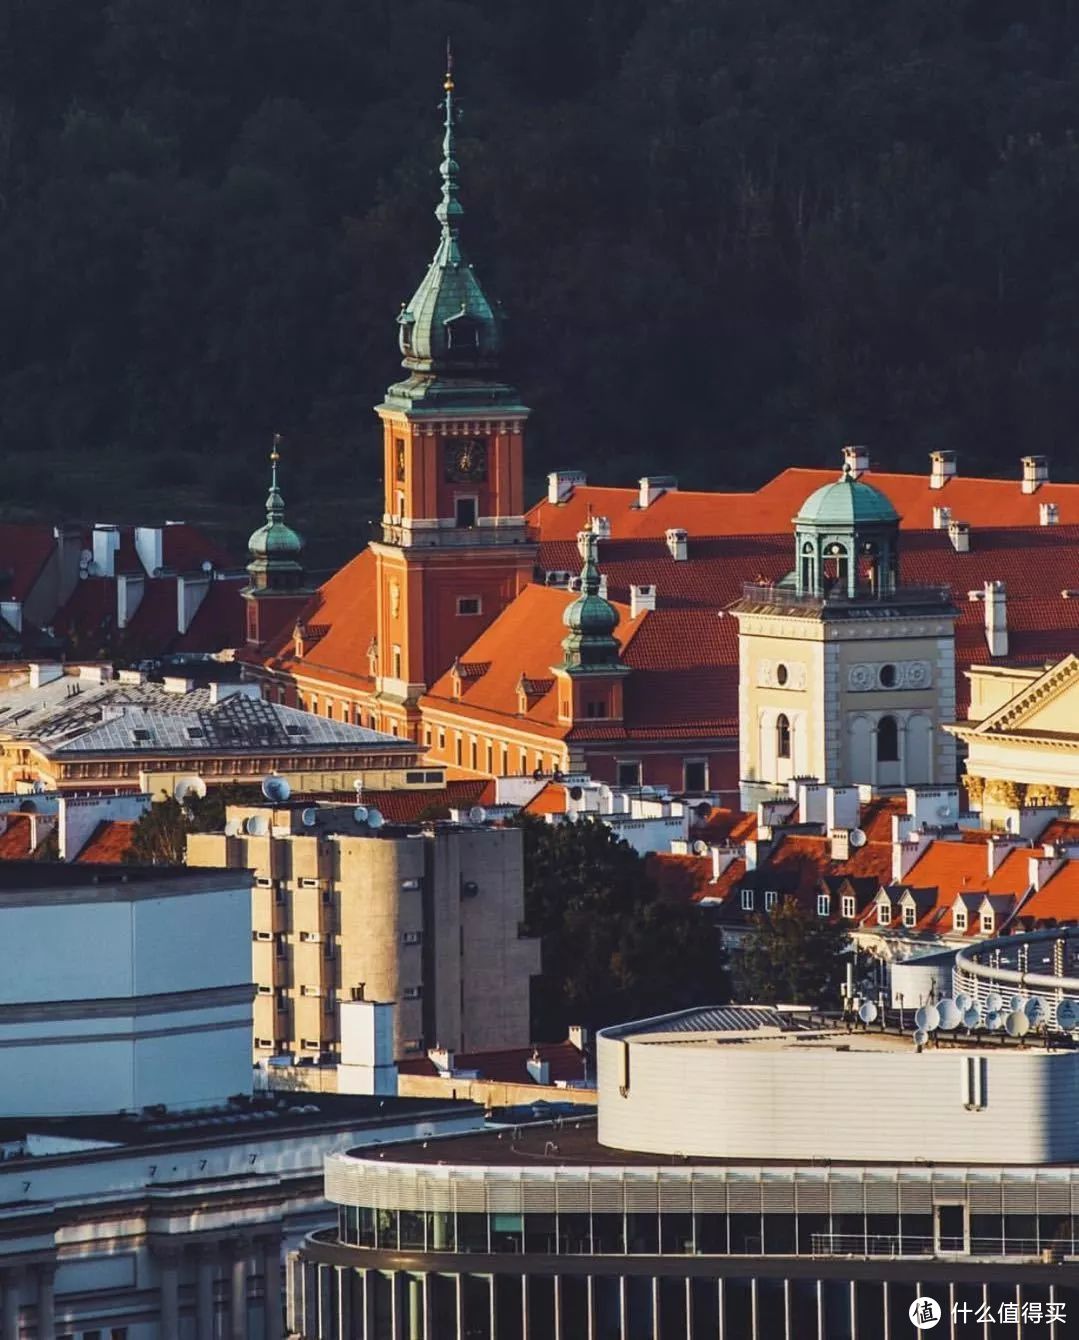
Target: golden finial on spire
275,454
448,84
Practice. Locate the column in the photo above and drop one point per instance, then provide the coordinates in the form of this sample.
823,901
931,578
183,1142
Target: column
12,1302
46,1307
168,1257
853,1311
238,1293
271,1287
204,1301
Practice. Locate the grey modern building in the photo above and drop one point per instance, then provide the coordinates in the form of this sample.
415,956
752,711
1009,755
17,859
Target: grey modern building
670,1218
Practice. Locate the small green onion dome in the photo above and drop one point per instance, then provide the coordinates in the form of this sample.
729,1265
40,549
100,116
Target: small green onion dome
847,503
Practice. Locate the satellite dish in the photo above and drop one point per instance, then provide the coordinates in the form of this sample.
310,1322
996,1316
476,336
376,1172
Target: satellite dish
308,817
1017,1025
207,566
1067,1015
1017,1003
477,814
375,819
700,848
994,1021
276,789
188,786
927,1017
86,558
232,827
951,1016
858,837
994,1002
867,1012
943,811
360,814
1034,1010
921,1037
972,1018
257,826
964,1000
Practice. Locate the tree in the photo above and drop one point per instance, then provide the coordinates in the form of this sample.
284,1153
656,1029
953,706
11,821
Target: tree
160,835
613,949
792,957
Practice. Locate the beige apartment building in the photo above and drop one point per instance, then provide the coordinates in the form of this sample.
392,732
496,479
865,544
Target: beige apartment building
427,917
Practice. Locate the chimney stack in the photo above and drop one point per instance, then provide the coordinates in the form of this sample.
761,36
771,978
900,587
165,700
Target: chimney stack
561,483
653,487
996,618
942,468
678,544
1048,514
1035,473
641,598
959,534
942,517
856,460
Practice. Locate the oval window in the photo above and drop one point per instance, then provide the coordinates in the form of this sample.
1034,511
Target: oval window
888,676
781,675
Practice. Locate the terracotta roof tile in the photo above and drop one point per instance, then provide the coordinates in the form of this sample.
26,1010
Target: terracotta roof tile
15,839
346,605
550,799
108,843
1058,898
407,805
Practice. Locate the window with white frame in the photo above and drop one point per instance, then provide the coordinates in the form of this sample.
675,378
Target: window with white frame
884,914
988,922
959,919
771,897
910,914
747,900
824,904
849,907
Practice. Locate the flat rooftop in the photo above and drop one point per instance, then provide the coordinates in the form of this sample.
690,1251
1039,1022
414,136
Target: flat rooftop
19,875
268,1116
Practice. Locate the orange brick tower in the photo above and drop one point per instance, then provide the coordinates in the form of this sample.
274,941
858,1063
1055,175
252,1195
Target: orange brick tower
455,548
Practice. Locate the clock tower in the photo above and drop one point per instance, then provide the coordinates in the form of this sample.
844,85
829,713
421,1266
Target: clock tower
455,549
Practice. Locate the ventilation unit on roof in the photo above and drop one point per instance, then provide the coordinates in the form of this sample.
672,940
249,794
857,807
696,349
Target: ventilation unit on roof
559,577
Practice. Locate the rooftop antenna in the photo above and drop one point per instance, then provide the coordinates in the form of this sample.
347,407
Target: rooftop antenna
477,814
276,789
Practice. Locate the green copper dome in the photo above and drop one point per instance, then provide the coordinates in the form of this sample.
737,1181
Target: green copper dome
275,548
449,325
846,503
590,643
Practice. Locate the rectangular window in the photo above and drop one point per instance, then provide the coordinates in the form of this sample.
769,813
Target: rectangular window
824,905
747,900
771,897
396,662
629,774
959,921
849,905
695,775
469,605
505,769
441,738
910,915
306,882
465,510
475,755
884,914
427,735
412,992
411,937
460,750
988,922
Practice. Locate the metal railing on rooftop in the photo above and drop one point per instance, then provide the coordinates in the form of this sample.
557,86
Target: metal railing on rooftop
893,1245
771,593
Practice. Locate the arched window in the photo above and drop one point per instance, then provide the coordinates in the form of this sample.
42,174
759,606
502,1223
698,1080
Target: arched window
783,736
887,740
835,570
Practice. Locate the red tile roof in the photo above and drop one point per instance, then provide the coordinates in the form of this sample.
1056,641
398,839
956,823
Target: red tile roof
406,805
1057,900
346,606
108,843
549,799
24,552
15,839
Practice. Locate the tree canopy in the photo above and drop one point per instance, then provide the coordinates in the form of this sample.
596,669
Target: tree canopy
799,221
792,958
159,837
613,949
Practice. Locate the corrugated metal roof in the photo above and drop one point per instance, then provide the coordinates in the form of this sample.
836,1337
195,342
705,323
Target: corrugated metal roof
721,1019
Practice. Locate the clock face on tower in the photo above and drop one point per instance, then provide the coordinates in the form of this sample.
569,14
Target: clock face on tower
465,460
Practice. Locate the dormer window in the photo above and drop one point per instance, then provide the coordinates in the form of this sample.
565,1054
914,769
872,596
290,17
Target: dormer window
910,914
747,900
884,914
989,921
849,906
824,905
405,326
462,333
959,920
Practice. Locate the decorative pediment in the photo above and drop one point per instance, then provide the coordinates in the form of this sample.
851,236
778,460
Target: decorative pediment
1050,705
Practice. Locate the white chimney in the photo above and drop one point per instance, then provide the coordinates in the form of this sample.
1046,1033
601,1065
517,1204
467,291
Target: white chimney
721,859
45,672
941,517
539,1069
130,588
996,619
811,801
841,807
150,547
840,843
561,483
1048,514
1041,869
601,527
678,544
856,459
190,593
653,487
1035,473
751,854
603,585
959,534
441,1058
106,541
942,468
641,598
932,805
906,853
996,849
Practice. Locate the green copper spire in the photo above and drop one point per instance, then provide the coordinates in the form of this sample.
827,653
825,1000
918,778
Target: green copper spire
275,547
590,643
449,328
